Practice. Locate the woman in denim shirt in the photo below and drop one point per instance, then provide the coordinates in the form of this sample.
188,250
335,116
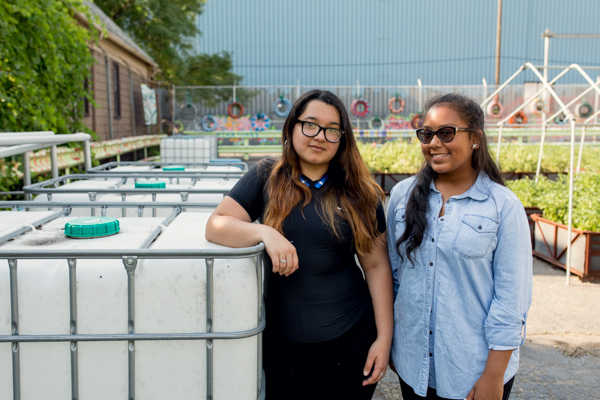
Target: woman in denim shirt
460,251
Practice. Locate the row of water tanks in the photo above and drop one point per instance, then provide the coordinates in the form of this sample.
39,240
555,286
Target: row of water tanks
109,289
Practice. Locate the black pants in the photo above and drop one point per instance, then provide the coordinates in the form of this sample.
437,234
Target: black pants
409,394
322,370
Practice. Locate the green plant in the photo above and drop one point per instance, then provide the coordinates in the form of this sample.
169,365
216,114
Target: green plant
9,176
44,60
398,157
552,196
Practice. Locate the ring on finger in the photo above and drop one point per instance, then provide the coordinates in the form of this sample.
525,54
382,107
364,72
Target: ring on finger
283,261
381,375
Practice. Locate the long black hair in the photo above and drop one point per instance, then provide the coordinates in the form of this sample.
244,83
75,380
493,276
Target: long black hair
418,202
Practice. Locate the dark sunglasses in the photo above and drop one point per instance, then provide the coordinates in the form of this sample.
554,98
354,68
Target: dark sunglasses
445,134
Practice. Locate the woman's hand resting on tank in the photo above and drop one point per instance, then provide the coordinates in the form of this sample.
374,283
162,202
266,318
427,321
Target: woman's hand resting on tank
282,252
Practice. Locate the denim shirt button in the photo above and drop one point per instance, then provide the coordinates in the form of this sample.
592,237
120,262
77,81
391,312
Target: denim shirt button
441,219
431,264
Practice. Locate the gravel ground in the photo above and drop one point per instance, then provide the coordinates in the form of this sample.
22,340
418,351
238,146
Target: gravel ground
561,356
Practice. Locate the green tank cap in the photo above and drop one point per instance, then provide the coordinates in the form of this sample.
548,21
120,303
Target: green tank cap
174,168
150,184
91,227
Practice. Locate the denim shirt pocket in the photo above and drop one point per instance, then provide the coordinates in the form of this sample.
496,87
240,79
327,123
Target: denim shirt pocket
475,236
400,224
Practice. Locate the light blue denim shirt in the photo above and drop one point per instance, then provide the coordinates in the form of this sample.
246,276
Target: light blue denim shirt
469,290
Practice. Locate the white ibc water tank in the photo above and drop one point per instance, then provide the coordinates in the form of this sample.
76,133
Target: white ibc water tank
235,309
84,187
170,297
43,300
188,148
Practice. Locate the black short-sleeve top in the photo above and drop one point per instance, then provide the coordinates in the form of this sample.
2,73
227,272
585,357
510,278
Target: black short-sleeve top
327,294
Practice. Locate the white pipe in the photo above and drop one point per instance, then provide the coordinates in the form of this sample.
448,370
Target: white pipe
484,88
498,149
49,140
570,218
569,104
16,150
568,113
54,161
499,89
87,155
547,86
37,133
26,173
580,148
539,164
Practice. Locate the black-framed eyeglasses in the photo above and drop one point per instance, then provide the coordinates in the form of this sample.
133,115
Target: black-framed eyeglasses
310,129
445,134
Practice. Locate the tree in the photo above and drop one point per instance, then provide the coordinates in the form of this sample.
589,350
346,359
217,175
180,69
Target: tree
161,27
44,61
212,70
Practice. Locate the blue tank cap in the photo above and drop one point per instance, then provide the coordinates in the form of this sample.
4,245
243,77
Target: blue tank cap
174,168
150,184
91,227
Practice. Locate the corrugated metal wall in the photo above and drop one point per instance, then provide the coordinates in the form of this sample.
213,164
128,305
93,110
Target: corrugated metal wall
394,42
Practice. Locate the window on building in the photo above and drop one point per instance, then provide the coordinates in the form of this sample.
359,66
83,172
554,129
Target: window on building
116,91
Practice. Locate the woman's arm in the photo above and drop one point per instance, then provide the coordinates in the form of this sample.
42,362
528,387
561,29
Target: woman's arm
230,225
490,385
378,275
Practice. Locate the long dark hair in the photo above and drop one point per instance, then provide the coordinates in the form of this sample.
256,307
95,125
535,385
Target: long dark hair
418,202
352,188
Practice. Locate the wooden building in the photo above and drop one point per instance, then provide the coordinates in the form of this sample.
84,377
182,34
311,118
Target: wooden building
120,68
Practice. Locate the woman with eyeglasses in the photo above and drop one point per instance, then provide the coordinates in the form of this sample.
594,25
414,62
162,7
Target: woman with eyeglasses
460,251
329,328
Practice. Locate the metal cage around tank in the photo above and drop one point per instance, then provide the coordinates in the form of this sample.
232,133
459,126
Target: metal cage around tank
130,257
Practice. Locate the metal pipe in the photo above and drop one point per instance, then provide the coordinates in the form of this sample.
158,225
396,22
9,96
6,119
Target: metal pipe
87,155
26,173
21,134
14,328
123,337
498,40
209,327
73,328
21,230
130,263
54,161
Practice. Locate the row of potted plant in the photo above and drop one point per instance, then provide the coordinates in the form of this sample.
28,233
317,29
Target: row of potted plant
552,197
551,236
401,157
